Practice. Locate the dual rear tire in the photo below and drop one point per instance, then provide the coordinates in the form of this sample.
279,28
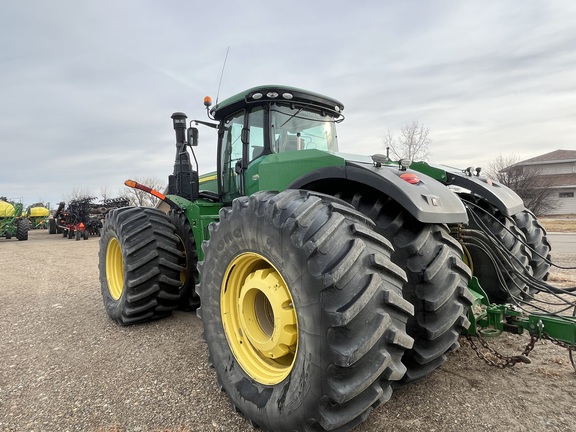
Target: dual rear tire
512,251
537,240
437,284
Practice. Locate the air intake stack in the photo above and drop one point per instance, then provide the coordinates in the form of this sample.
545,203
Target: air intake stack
184,181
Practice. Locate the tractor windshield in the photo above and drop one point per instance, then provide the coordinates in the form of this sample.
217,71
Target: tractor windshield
296,127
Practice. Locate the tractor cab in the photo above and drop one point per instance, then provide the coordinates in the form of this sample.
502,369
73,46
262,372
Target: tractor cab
270,120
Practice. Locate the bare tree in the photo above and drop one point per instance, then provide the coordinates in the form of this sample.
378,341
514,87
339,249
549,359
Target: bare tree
388,141
105,192
140,198
413,142
76,194
534,188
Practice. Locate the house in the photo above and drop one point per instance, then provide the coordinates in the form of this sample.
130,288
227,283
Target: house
558,171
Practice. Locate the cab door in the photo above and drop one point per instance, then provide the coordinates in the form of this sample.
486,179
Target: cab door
241,142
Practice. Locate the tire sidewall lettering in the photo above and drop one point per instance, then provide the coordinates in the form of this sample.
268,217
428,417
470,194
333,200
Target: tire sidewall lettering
228,239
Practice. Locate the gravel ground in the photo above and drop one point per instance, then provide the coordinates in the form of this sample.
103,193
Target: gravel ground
64,366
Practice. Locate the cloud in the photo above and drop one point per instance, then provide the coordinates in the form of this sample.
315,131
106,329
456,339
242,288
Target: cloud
87,88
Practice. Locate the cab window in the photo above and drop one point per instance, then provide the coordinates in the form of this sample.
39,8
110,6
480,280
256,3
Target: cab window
256,128
299,128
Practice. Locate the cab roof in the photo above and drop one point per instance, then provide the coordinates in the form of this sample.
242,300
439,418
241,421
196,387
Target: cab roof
267,93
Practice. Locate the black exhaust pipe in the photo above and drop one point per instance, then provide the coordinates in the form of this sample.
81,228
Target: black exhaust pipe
184,181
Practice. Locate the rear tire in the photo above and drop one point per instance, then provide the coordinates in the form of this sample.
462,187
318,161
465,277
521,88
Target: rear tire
22,228
302,311
138,262
437,283
52,226
189,300
537,239
507,233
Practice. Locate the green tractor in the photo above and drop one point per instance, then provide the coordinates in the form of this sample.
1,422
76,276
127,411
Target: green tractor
12,221
323,280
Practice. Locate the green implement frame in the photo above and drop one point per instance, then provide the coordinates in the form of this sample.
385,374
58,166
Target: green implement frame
488,319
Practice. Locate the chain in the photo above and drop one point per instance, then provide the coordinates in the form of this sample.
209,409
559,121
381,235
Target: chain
504,361
510,361
569,347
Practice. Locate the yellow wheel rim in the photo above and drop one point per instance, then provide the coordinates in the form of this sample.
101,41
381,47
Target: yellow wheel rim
259,318
114,269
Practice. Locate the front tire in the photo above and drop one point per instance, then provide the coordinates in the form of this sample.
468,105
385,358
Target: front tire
302,311
138,262
189,300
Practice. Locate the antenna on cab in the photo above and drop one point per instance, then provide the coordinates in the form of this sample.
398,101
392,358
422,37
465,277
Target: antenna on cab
222,75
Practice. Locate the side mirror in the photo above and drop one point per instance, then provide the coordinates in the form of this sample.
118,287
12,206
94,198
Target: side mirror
192,135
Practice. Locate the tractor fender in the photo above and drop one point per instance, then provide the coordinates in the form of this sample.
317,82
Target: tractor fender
497,194
428,200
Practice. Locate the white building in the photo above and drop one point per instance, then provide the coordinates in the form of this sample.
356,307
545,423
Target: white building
559,169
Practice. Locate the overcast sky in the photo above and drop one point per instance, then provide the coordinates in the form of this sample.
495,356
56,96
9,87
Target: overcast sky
87,88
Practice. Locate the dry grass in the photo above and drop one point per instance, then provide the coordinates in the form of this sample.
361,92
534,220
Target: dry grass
561,278
566,224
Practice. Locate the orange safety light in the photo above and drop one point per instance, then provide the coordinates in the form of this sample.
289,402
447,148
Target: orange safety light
410,178
207,101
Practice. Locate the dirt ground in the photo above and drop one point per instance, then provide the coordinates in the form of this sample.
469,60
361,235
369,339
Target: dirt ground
64,366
